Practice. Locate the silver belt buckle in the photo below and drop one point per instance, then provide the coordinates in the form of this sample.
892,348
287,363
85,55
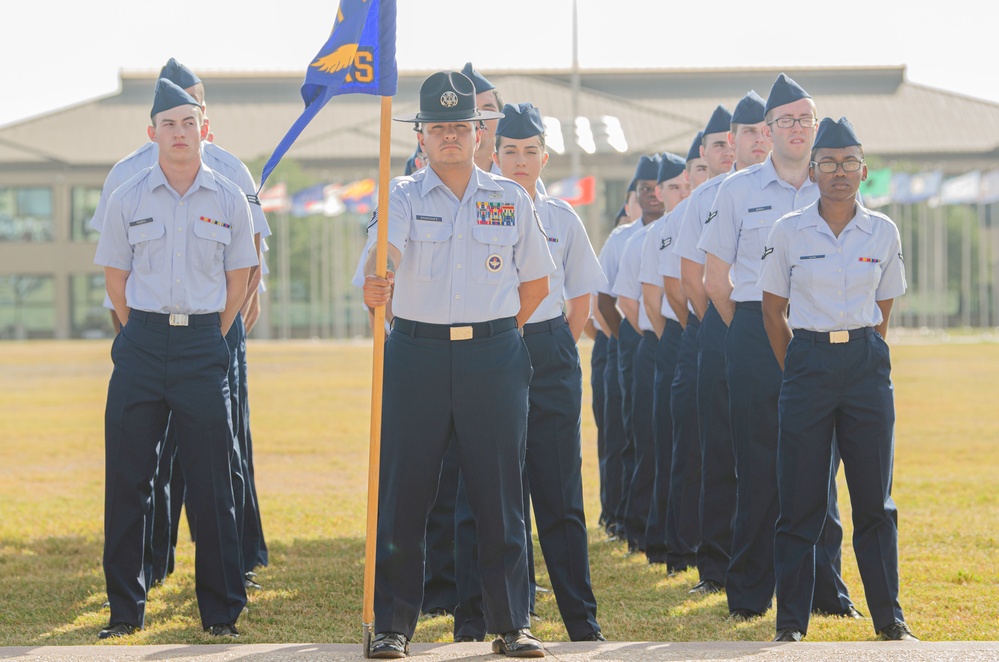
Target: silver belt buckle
839,337
178,319
461,333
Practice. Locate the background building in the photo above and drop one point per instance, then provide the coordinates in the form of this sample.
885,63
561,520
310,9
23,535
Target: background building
937,154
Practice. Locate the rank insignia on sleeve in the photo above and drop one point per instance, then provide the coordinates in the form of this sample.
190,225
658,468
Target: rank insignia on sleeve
900,257
766,252
710,217
252,199
664,243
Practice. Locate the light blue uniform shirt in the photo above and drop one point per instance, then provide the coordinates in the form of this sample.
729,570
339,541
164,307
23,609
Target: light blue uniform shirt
610,254
748,204
213,156
653,246
667,262
577,271
627,284
216,158
177,248
463,260
263,266
833,283
692,224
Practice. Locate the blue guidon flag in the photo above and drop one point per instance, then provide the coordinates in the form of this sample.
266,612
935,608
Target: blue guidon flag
358,58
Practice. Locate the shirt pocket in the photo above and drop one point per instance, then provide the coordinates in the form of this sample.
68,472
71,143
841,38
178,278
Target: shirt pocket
428,240
208,247
754,235
148,247
492,252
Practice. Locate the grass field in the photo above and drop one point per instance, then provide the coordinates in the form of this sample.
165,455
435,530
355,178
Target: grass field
310,422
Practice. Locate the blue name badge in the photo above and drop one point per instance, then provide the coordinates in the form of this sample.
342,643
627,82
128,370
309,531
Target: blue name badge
436,219
753,210
141,221
812,257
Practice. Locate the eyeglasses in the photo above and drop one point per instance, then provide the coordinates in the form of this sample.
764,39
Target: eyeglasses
829,167
788,122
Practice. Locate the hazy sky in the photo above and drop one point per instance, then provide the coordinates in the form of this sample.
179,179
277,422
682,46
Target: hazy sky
61,52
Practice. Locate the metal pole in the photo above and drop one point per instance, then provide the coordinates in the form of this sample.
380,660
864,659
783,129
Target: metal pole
573,146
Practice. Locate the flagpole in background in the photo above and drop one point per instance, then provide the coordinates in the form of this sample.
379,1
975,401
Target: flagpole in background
377,374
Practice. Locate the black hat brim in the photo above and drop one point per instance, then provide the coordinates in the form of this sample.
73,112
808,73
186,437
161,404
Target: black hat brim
461,116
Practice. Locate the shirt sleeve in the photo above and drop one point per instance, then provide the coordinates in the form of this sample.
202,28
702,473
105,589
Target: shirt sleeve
241,252
892,282
627,284
113,248
721,226
400,217
530,254
582,269
775,274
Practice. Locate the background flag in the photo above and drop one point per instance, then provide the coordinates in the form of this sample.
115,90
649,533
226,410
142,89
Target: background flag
576,191
876,189
358,58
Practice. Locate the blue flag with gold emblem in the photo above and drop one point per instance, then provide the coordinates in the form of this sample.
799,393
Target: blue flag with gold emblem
358,58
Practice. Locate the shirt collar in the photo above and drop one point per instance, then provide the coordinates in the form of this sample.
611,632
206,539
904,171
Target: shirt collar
204,179
861,219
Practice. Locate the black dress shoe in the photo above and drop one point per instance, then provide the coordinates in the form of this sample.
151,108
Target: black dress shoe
465,639
707,587
852,612
223,630
389,645
789,634
518,643
596,635
115,630
744,615
896,632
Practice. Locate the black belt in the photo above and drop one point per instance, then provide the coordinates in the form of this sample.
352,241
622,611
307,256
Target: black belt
176,319
756,306
453,331
548,326
833,337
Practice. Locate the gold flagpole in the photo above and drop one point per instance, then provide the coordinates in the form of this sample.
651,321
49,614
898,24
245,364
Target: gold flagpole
377,373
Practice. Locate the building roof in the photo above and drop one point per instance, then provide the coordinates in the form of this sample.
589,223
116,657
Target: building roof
659,109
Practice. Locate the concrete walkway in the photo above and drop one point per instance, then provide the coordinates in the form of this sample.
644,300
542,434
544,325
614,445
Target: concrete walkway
958,651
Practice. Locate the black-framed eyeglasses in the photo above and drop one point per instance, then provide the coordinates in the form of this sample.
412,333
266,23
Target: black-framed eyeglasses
829,167
788,122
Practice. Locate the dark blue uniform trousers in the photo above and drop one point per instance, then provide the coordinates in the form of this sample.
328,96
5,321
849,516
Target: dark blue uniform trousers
474,391
717,453
754,380
615,440
168,486
655,528
683,522
598,363
844,388
643,476
554,471
253,544
178,372
439,589
627,346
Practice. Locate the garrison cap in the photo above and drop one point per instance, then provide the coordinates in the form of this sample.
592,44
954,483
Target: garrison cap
648,168
632,186
448,96
170,95
522,120
750,109
481,83
721,121
783,92
177,73
835,134
671,165
695,147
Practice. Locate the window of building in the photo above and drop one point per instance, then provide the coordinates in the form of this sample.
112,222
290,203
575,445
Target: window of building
84,201
90,319
27,307
26,214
